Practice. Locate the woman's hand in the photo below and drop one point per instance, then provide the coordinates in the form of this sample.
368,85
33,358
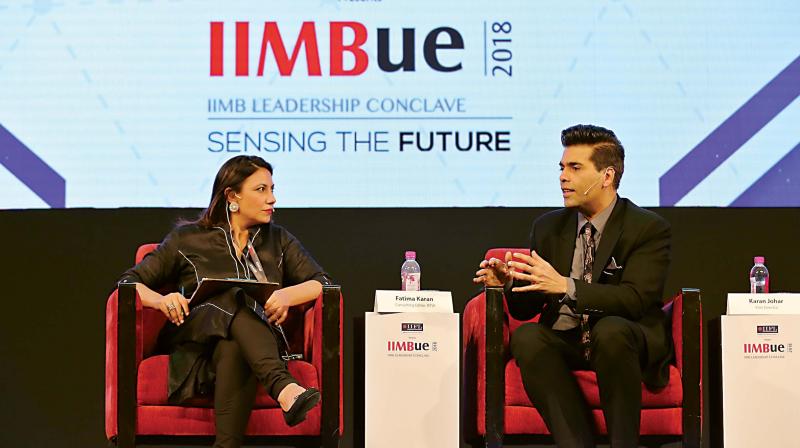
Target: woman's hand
277,306
175,307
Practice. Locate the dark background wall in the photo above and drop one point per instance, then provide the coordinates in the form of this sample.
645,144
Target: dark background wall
58,267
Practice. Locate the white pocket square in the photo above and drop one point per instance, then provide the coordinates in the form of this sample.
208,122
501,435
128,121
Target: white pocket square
612,265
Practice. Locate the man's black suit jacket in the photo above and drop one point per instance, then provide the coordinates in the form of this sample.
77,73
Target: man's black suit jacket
639,242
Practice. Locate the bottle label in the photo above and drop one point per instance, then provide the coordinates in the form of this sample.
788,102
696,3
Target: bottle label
410,282
759,286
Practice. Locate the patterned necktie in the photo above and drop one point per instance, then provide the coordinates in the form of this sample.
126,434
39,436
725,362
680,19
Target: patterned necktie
587,234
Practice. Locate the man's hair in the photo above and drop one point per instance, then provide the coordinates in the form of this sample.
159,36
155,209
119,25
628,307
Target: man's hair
608,151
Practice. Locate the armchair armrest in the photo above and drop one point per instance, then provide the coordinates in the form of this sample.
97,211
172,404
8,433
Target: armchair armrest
484,354
323,346
692,362
332,363
131,334
128,305
495,368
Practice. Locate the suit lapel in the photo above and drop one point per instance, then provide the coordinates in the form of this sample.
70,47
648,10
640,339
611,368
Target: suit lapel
611,234
565,246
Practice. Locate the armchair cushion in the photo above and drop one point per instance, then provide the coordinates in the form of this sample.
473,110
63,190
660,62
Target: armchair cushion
669,396
660,421
152,383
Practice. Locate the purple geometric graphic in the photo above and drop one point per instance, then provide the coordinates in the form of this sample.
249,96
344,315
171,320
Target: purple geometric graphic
778,187
31,170
731,135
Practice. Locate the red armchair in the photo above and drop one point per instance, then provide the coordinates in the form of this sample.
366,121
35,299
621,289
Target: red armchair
136,378
496,403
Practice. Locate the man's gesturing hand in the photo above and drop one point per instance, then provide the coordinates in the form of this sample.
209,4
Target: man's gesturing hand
542,276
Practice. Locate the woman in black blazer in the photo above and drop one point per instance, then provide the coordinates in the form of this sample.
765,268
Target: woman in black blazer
226,343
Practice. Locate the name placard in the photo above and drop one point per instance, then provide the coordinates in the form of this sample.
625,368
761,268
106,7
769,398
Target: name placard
413,301
774,303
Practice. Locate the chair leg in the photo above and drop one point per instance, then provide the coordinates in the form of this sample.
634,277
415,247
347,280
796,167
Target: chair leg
117,442
494,440
330,441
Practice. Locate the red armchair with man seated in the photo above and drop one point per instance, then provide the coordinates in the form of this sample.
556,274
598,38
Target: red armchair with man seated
496,403
136,378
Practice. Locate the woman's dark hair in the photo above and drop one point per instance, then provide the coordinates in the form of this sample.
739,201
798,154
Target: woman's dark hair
608,151
230,175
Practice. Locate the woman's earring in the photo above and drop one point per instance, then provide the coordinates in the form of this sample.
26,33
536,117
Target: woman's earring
233,207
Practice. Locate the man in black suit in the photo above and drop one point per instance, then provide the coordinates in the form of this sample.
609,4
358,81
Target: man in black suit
596,274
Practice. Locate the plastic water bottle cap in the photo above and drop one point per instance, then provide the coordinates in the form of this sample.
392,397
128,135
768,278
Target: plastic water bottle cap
756,260
411,255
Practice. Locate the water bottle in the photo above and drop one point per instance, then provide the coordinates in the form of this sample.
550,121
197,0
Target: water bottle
410,273
759,276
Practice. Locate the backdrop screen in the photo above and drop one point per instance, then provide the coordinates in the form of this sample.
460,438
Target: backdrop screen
395,103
